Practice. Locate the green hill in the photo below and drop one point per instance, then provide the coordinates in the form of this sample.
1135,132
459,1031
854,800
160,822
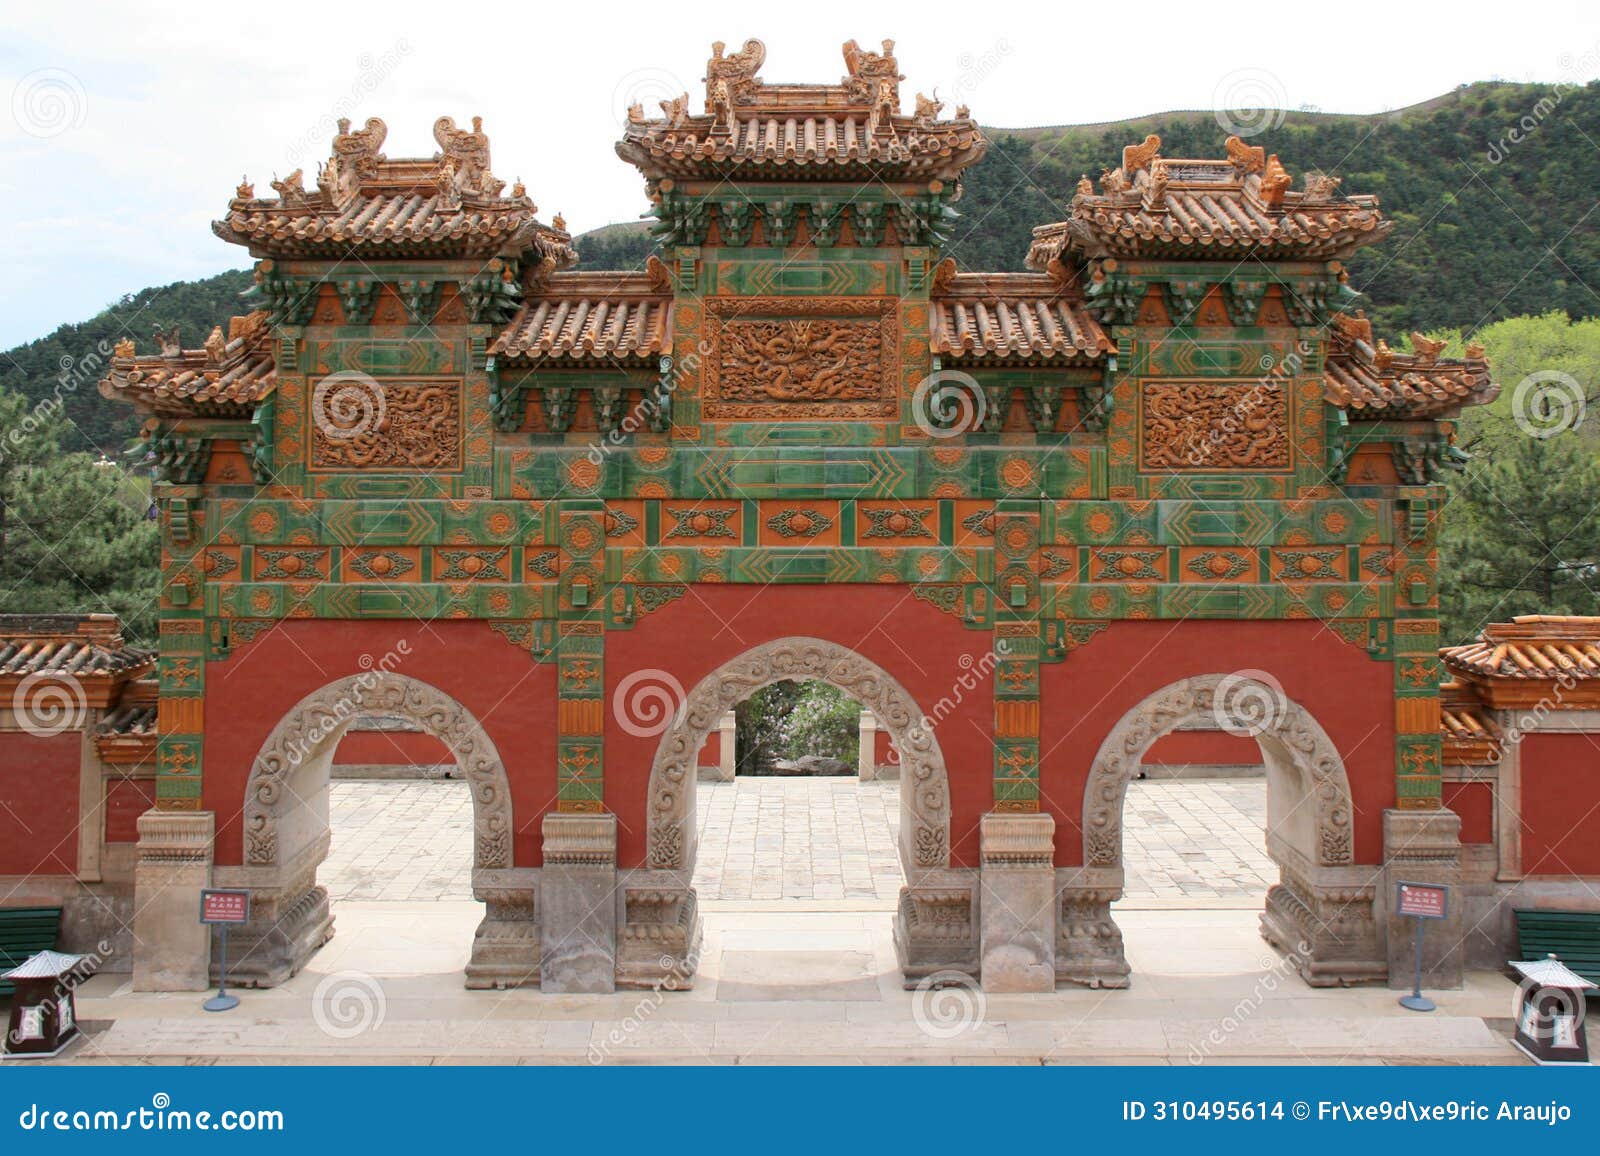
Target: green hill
1484,228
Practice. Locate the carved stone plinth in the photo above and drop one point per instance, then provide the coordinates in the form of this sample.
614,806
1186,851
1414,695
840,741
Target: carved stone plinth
506,946
578,904
284,932
170,943
936,926
1321,919
659,946
1088,941
1018,934
1423,847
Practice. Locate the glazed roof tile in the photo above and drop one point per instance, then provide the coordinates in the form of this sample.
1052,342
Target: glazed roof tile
1470,733
225,376
751,127
1373,382
1533,647
364,204
1005,316
592,317
67,645
1153,206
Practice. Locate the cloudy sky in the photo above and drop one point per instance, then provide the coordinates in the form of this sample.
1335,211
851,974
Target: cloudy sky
130,125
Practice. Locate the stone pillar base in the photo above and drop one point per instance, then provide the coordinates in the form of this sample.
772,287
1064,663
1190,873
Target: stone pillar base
935,925
661,933
578,904
505,948
280,938
1088,941
1423,847
171,946
1018,903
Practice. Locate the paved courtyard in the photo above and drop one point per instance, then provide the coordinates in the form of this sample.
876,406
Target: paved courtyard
811,840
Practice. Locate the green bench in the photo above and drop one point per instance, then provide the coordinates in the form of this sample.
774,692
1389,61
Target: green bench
25,931
1571,936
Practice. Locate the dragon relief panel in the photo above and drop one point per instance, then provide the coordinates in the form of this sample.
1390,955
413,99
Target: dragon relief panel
359,422
1214,426
777,358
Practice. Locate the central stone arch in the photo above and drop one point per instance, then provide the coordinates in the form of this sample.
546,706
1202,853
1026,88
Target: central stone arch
933,927
286,833
1320,911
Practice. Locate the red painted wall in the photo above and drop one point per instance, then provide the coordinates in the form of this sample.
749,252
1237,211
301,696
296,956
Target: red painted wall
920,646
39,803
711,754
1349,694
126,800
883,749
510,695
391,749
1561,804
1207,748
1474,802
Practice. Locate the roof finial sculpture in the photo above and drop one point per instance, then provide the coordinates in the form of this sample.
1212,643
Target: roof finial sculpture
731,79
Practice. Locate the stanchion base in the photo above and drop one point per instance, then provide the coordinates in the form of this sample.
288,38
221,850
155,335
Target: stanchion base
1416,1002
221,1003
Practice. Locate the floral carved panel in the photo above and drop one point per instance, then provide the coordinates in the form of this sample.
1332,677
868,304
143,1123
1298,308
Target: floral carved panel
777,358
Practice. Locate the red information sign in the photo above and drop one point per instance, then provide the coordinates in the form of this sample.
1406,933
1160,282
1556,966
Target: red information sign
224,907
1421,900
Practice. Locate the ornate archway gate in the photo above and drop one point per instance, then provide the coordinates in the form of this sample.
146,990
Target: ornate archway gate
1178,416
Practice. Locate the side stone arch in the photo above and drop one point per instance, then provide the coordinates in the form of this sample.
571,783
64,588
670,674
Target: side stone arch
1319,913
286,834
925,787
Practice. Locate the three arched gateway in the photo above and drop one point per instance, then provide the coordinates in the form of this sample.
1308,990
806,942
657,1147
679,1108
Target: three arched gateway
1319,913
286,835
934,926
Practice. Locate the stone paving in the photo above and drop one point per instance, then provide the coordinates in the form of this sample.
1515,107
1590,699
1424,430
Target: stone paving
815,840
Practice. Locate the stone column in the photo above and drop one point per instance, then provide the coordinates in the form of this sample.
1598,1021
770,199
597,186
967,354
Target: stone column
867,756
728,764
1423,847
171,947
578,904
1017,903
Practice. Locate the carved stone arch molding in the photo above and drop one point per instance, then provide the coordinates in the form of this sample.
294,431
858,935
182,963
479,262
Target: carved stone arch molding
1320,913
316,724
925,788
1282,726
286,834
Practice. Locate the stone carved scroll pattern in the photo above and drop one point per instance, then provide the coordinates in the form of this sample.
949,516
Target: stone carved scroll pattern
1194,700
319,721
925,793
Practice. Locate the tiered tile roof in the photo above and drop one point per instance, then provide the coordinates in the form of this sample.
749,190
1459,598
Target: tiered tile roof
1534,658
127,734
592,317
751,128
1030,317
1242,204
1471,736
1373,382
39,652
224,377
366,205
